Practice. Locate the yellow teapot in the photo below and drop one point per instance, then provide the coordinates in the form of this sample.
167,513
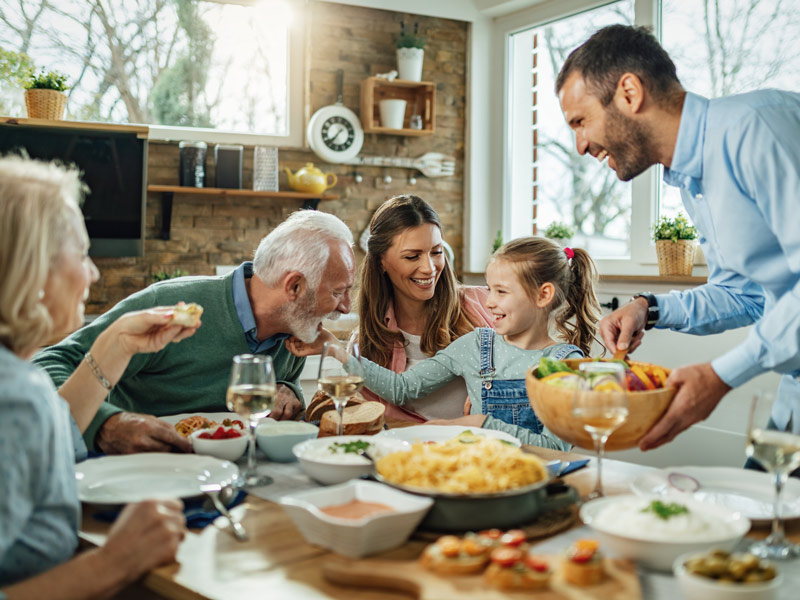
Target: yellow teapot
310,179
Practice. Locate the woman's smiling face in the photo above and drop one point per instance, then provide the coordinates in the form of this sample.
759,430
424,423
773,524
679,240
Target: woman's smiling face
414,262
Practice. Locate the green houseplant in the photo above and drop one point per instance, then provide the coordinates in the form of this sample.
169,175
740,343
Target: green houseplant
676,245
560,232
410,53
44,95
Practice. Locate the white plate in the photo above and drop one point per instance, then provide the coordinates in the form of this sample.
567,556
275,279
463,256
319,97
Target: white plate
744,490
152,475
442,433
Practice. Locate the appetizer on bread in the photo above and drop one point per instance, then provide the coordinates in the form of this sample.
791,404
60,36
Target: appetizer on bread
186,315
512,568
451,555
583,563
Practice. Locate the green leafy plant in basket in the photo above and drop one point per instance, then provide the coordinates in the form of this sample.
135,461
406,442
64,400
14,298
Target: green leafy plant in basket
559,231
410,40
52,80
674,229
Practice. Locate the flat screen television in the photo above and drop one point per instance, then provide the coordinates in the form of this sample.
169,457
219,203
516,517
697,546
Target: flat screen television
114,168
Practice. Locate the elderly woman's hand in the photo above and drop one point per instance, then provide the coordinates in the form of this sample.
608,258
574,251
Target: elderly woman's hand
147,330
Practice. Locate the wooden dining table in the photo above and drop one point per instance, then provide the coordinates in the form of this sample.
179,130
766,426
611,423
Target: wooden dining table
278,563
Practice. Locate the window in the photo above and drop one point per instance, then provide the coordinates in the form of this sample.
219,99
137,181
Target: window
214,70
723,48
719,48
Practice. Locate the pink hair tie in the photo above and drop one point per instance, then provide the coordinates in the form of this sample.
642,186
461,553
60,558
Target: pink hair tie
569,252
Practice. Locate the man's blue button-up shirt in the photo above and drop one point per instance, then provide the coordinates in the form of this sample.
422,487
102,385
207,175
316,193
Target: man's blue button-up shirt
737,164
245,312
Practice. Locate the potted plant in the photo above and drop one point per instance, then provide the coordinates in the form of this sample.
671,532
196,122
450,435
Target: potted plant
675,245
410,52
560,232
44,95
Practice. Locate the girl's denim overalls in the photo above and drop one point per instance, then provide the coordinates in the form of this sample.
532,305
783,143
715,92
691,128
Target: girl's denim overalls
507,399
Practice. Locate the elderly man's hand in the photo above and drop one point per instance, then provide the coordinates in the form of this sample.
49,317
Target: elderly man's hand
699,391
126,433
286,404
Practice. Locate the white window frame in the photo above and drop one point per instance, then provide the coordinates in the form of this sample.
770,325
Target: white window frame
296,103
516,149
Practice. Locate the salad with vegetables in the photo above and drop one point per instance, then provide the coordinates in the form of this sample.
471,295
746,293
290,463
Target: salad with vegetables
639,377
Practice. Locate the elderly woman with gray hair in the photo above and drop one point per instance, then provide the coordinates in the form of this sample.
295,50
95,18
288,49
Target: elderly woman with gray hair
45,274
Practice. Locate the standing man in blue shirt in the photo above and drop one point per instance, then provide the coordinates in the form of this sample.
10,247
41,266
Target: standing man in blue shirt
736,161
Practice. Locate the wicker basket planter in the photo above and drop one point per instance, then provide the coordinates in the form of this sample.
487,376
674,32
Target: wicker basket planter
675,258
45,104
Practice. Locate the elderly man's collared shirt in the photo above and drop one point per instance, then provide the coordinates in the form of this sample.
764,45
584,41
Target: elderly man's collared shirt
737,163
242,303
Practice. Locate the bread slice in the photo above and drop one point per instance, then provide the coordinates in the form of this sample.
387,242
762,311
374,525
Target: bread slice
364,418
187,315
322,403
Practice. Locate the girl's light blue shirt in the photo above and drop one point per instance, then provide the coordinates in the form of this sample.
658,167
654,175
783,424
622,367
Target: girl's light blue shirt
462,359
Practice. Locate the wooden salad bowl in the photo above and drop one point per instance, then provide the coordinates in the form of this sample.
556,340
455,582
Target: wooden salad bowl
553,406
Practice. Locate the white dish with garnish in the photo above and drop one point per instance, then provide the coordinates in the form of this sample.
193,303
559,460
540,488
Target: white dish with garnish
336,459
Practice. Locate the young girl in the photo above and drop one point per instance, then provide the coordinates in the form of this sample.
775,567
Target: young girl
530,279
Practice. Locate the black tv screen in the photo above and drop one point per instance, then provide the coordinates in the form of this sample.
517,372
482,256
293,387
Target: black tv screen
114,168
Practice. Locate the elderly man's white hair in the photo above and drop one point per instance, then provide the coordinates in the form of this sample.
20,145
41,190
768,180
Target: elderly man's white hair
300,243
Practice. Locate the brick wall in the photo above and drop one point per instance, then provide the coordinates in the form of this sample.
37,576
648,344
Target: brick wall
208,231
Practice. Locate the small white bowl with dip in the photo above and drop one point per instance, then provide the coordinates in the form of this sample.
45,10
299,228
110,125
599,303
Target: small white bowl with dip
336,459
630,531
356,518
277,438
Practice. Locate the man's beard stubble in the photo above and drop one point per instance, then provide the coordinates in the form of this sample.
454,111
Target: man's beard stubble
629,143
300,318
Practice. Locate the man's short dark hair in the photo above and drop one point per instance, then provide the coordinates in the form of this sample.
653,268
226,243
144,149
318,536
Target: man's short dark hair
618,49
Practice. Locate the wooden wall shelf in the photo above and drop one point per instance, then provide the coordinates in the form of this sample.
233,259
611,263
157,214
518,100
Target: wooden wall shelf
420,97
311,201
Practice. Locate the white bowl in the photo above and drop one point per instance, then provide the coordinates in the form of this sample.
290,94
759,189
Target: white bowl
277,438
356,537
328,467
227,449
697,587
649,547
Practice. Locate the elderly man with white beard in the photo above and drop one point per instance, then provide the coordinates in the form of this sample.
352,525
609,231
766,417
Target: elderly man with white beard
302,273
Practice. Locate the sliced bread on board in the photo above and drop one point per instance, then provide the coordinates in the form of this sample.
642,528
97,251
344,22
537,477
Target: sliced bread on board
365,418
322,403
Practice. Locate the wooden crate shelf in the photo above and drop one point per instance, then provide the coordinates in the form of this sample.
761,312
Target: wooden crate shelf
420,97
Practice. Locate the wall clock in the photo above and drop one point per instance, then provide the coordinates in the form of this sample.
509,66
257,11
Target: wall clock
334,132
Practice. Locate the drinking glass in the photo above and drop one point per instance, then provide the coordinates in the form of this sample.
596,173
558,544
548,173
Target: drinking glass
340,380
251,393
779,453
600,410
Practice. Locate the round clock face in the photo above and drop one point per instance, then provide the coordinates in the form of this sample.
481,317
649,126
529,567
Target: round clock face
338,133
334,134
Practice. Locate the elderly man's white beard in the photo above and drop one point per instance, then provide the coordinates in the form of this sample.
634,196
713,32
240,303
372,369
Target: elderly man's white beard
301,320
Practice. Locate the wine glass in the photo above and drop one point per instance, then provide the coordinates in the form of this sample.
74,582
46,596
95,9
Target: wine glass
779,453
601,405
251,393
340,380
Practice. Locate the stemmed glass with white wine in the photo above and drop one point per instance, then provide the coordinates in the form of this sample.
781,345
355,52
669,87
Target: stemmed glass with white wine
779,453
340,376
601,405
251,393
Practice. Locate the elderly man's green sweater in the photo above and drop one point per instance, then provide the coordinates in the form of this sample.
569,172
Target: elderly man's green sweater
190,376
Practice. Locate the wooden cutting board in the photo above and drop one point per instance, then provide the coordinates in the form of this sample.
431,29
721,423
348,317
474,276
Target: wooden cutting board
621,582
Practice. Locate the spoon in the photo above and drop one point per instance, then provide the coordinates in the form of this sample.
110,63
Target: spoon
219,497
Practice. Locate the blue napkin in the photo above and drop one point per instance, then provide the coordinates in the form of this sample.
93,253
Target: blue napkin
196,516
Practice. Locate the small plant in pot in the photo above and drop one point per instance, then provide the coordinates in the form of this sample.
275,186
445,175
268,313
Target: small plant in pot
44,95
410,53
559,232
676,244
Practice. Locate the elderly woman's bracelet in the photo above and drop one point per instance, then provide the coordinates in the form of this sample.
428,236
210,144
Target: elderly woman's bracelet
97,372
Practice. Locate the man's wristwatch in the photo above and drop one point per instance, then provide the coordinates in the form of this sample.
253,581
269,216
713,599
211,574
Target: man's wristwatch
652,309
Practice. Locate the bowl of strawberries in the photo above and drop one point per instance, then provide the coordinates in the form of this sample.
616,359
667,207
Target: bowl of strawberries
227,443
